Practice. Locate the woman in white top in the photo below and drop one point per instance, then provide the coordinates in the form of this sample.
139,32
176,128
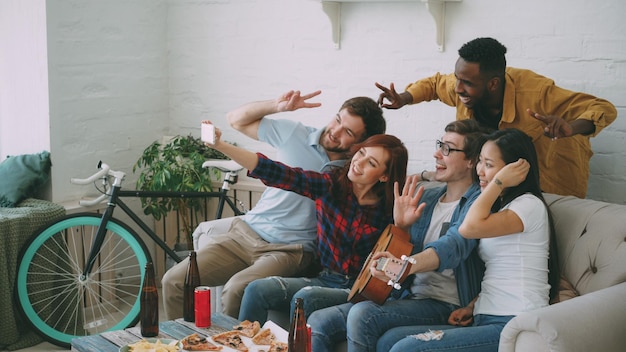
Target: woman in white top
513,223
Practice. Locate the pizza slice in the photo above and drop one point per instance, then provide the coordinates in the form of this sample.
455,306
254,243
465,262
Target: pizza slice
248,328
264,337
277,346
194,342
231,339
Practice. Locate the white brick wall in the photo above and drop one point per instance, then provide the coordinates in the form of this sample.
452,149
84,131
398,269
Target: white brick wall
122,73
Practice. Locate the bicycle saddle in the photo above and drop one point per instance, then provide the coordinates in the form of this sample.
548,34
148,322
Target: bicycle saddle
223,165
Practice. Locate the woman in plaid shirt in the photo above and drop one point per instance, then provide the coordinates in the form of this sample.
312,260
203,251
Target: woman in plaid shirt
354,204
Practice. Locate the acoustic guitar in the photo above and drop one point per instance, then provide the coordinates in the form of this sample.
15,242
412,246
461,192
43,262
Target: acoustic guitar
366,287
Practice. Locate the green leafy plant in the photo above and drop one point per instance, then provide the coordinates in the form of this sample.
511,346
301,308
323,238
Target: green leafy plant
176,166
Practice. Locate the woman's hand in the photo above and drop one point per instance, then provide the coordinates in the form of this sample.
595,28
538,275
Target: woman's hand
243,157
218,135
513,174
461,317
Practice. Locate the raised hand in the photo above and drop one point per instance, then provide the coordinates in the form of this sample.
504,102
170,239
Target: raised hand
395,99
406,207
292,100
243,157
218,135
514,173
555,127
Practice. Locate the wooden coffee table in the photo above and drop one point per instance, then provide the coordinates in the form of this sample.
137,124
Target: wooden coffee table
174,329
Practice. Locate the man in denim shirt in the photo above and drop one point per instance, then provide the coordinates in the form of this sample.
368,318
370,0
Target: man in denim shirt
447,272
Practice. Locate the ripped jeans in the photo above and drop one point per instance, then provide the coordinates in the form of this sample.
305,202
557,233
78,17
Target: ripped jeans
279,293
482,336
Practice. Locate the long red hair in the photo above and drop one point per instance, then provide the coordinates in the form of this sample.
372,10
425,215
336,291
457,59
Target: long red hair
396,167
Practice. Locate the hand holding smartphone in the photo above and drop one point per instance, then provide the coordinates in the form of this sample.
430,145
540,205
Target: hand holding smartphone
207,133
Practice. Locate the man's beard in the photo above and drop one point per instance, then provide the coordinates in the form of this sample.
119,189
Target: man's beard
326,140
337,150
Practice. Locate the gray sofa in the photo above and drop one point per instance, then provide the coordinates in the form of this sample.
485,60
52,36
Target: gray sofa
591,238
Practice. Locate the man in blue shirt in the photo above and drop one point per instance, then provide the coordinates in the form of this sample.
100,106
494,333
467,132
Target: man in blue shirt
447,272
277,237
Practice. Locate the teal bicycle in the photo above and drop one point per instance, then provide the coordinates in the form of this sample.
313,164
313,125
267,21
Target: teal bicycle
81,275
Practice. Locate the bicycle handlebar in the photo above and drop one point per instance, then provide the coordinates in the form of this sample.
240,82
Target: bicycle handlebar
104,170
88,203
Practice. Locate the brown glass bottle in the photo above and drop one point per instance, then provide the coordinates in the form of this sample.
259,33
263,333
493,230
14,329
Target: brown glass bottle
192,280
298,340
149,304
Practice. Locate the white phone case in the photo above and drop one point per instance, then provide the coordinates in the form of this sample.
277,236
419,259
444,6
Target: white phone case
208,133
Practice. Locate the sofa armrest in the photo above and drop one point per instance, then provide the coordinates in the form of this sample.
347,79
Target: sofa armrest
592,322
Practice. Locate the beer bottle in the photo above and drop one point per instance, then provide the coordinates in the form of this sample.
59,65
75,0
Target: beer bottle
149,304
298,339
192,280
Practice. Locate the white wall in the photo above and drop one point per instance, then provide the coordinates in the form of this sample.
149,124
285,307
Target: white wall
24,123
123,73
226,53
108,86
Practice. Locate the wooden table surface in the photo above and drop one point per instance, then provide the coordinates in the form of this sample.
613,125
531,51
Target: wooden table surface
174,329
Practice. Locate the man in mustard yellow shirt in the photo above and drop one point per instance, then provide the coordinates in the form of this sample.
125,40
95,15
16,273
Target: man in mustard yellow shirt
560,121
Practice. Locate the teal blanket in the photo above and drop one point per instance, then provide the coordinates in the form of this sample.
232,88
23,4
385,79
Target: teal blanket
16,226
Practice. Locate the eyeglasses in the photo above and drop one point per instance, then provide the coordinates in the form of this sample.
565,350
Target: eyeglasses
445,148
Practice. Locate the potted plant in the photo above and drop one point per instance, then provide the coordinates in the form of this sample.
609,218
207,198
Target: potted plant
176,166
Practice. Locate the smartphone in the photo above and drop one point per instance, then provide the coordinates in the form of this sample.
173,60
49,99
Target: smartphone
207,131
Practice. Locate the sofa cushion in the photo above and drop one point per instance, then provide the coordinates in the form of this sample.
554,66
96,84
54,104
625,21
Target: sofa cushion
591,241
566,291
22,176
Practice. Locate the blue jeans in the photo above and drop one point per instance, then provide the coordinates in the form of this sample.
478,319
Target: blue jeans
365,322
279,293
328,327
482,336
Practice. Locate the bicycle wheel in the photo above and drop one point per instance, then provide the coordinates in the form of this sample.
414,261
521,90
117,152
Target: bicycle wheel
58,301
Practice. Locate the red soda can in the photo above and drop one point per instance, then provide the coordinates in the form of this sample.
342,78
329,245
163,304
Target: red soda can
202,306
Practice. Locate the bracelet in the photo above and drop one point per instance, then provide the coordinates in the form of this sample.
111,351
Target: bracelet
498,182
422,176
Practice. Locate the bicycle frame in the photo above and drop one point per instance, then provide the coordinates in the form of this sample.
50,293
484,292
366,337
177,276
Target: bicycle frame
81,274
114,200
